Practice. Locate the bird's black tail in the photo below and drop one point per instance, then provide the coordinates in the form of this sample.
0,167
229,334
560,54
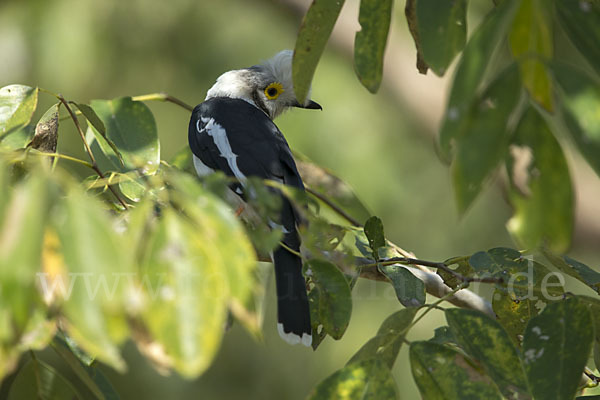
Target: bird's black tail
292,301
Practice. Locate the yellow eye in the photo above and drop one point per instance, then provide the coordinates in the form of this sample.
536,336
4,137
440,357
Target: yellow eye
273,90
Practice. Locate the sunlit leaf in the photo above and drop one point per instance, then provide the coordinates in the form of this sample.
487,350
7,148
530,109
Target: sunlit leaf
483,142
46,131
370,41
410,290
95,121
470,71
99,277
386,344
556,347
131,127
459,265
314,32
541,192
581,98
17,105
362,380
18,139
531,44
442,31
38,380
334,300
442,373
186,284
581,21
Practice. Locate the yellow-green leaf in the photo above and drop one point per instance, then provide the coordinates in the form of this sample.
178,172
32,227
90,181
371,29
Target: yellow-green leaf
17,105
370,41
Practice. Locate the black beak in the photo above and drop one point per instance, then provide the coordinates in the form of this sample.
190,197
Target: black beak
312,105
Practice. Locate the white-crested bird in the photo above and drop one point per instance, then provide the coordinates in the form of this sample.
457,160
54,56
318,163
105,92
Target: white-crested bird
233,131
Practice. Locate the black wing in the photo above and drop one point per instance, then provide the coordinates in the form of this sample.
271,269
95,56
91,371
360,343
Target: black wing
220,127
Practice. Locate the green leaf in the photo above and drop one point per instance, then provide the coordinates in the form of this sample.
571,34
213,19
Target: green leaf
18,139
486,341
46,131
541,192
581,98
513,314
370,41
363,380
581,21
17,105
23,217
484,140
442,373
460,265
410,290
314,32
443,335
187,287
556,347
37,380
531,44
130,126
335,298
386,344
410,11
470,71
375,235
99,278
576,269
91,376
95,121
442,31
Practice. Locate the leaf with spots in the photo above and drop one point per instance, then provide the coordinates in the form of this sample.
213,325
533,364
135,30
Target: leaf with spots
334,300
386,344
17,105
470,71
370,41
513,314
315,29
363,380
460,265
442,373
409,289
486,341
442,30
556,347
540,192
484,138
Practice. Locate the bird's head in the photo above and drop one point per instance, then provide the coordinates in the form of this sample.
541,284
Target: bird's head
268,85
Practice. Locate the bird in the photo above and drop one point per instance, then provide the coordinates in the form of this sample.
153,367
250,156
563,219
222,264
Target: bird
233,131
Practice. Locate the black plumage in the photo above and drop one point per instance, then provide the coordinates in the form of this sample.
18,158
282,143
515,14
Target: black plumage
259,149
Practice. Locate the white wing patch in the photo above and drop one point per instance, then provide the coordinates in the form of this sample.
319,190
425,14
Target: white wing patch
219,135
201,168
293,338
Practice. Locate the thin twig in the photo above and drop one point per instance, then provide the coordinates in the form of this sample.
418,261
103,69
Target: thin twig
88,150
334,207
163,97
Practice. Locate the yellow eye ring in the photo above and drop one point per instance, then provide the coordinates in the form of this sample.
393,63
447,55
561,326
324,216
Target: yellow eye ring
274,90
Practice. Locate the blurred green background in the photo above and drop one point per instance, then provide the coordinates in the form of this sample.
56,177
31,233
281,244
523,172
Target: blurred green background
383,145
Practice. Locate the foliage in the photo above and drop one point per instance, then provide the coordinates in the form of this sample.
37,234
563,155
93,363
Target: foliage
140,249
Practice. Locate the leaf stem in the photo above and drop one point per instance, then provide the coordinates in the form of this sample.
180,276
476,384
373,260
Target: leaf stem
87,148
163,97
